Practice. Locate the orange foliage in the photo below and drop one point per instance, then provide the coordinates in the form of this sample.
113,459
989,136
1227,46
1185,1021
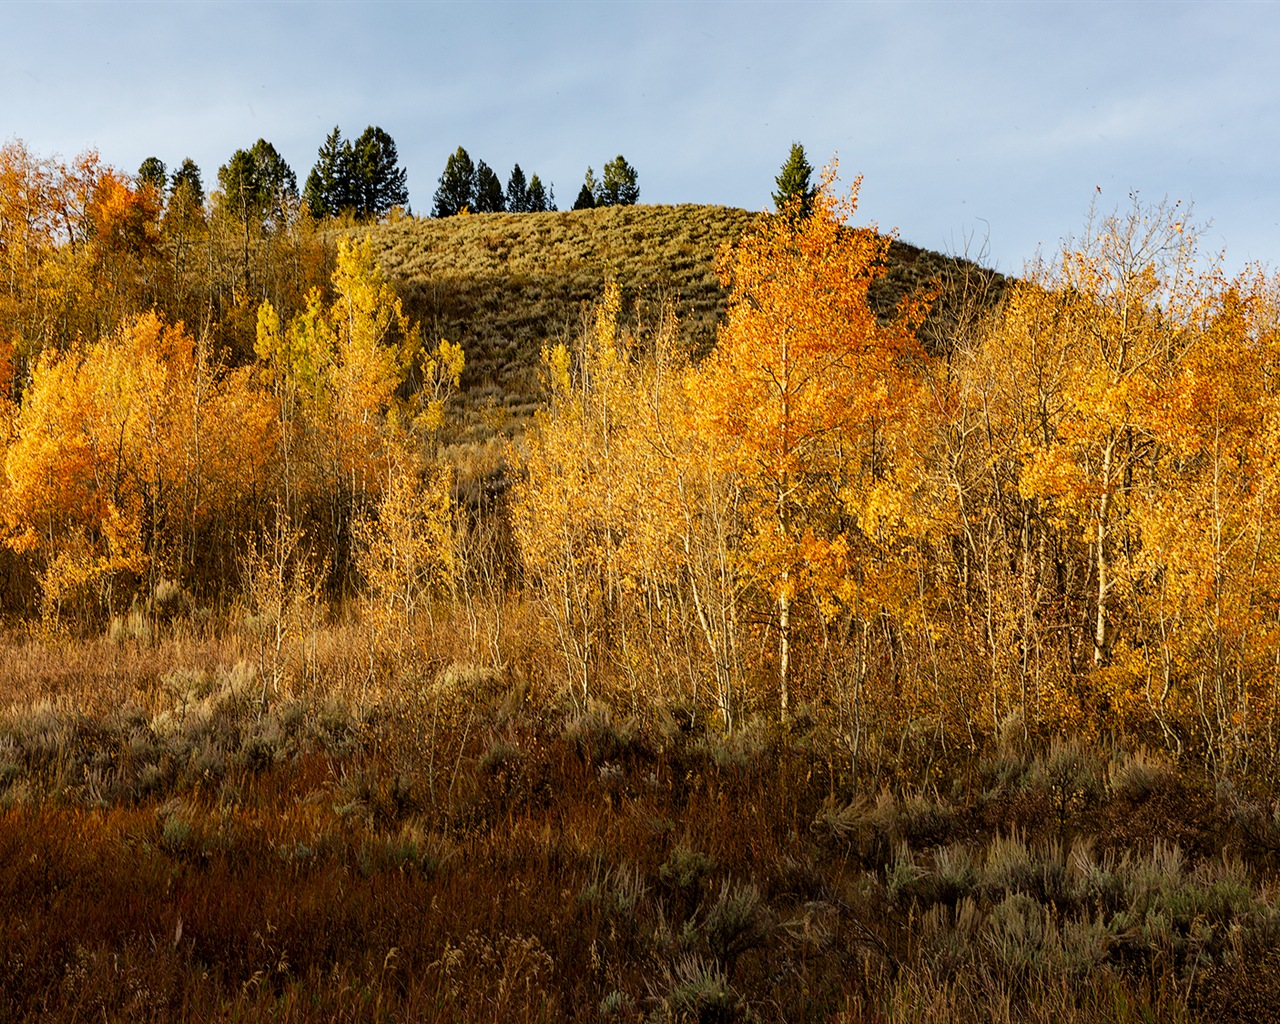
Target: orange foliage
810,401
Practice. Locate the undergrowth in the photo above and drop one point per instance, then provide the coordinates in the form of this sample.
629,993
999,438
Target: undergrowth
453,842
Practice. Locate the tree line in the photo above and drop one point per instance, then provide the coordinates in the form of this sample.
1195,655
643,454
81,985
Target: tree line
475,187
363,178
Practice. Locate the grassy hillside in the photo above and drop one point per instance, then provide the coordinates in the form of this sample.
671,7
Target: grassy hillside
504,284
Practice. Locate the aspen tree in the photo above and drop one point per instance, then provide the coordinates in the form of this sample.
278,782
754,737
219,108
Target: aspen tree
804,396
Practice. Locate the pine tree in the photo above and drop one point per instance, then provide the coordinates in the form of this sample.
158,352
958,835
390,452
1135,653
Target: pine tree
256,183
795,190
488,190
379,183
589,194
329,186
619,187
360,176
454,193
186,179
152,172
275,177
538,202
517,192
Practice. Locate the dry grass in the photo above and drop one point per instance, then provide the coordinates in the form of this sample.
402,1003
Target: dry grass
503,285
436,836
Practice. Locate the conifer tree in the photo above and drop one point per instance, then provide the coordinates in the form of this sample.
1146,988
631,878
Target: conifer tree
589,194
517,192
152,172
379,183
537,201
795,190
187,179
619,187
487,191
329,185
256,182
360,176
454,193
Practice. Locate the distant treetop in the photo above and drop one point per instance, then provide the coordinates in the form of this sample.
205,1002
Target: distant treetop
153,173
487,191
589,194
539,200
619,187
186,182
362,176
256,183
454,193
795,192
379,180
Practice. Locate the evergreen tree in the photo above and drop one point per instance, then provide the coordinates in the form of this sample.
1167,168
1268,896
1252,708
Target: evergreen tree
329,186
242,192
454,192
517,192
379,183
619,187
360,176
537,197
152,172
257,187
274,173
795,190
186,180
256,183
589,194
488,191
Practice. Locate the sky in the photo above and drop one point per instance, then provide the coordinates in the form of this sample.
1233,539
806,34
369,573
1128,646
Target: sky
979,128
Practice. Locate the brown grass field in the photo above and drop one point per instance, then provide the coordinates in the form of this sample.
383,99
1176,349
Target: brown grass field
445,840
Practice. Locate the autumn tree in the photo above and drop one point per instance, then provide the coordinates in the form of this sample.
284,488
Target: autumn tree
405,544
48,281
809,399
594,512
1124,304
97,462
337,369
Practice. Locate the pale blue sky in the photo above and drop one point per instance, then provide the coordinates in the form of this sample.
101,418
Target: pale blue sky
967,119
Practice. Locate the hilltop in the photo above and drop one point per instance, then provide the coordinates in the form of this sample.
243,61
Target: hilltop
503,285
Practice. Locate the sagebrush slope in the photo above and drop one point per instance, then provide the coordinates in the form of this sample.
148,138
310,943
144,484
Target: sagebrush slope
503,285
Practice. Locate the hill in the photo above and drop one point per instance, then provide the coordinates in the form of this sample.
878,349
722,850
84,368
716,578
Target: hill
503,285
